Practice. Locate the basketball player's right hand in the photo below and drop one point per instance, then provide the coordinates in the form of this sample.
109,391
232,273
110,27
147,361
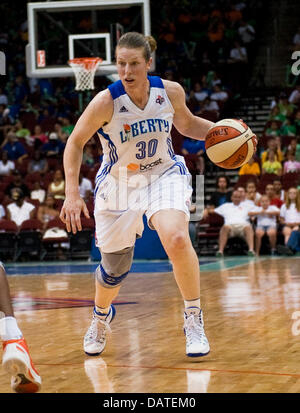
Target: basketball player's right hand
71,211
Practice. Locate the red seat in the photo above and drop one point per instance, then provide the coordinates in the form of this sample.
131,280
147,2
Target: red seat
8,226
208,233
87,223
266,179
243,179
31,225
290,179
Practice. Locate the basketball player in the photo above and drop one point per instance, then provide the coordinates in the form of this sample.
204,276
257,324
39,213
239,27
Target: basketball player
133,118
16,359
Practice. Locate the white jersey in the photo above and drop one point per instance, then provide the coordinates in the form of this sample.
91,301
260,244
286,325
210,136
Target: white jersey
138,141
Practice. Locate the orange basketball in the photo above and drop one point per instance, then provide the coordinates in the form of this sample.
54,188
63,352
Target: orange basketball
230,143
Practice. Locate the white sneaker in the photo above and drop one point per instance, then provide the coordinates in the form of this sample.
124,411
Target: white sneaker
17,362
95,338
196,342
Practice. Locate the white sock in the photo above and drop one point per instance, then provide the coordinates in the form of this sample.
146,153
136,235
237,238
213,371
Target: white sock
9,329
192,303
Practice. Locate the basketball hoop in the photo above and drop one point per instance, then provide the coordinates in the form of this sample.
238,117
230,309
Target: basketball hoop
84,69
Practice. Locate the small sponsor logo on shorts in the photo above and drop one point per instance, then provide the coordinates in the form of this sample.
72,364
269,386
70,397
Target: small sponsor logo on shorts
150,165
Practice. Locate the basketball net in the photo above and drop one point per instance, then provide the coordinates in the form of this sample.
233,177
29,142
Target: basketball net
84,69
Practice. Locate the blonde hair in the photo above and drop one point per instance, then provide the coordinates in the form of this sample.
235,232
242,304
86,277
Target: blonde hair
134,40
297,200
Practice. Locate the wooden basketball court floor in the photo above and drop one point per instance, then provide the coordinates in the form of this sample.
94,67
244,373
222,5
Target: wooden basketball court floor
251,312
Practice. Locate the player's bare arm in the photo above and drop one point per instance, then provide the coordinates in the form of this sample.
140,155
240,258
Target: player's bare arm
98,112
184,121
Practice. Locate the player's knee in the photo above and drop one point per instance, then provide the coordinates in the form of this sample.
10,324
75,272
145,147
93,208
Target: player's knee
178,240
114,267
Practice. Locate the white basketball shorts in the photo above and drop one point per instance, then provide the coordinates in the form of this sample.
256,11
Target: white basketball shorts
119,209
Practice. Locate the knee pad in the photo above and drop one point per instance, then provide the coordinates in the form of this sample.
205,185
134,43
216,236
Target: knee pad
114,267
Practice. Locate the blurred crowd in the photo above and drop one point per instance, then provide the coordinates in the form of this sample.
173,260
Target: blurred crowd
213,63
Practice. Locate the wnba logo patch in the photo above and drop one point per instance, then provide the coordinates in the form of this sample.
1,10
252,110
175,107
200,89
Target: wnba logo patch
160,99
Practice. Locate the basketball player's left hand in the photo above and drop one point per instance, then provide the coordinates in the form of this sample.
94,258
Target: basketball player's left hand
71,212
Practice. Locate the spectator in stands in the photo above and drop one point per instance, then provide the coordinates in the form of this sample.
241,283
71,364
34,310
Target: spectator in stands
249,203
62,136
219,94
288,128
15,150
251,192
236,223
276,115
47,211
198,92
222,193
250,168
292,147
17,183
278,191
266,215
246,32
54,148
3,97
38,163
20,131
20,91
297,121
233,14
196,149
19,210
238,61
270,193
293,245
6,165
208,105
285,107
273,129
274,145
85,187
67,125
56,188
294,97
38,192
271,164
38,138
6,120
290,213
291,165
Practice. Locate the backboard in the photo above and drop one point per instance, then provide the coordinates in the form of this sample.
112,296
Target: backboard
63,30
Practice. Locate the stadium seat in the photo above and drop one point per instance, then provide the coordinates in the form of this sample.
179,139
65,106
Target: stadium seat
265,179
53,240
290,179
29,239
81,242
243,179
8,239
208,233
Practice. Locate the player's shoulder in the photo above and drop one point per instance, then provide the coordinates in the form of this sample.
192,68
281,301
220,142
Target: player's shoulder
172,87
174,91
102,105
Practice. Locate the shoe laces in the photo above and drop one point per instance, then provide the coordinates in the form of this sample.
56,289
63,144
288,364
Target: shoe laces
98,330
194,329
